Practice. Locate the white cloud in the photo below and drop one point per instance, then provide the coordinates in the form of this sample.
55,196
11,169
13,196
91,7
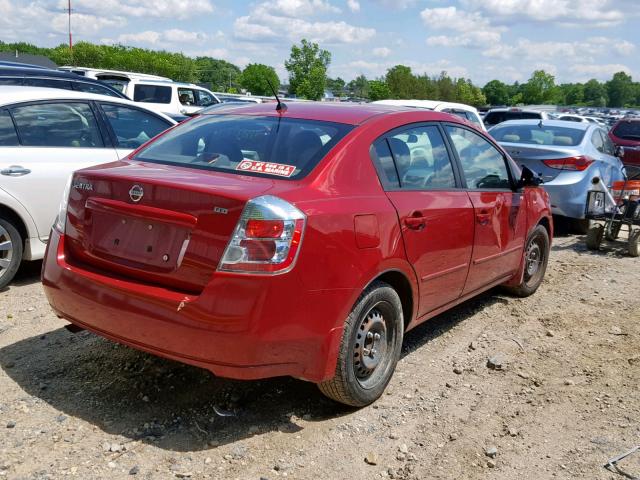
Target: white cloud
297,8
162,39
452,18
353,5
262,24
381,52
584,72
180,9
601,13
477,39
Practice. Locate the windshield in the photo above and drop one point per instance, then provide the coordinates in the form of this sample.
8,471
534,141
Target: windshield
628,130
281,147
538,135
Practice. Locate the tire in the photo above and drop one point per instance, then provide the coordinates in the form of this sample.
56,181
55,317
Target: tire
536,257
633,244
612,231
11,249
375,321
580,226
594,236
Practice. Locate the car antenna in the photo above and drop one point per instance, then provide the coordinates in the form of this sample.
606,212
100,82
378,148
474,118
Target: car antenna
281,107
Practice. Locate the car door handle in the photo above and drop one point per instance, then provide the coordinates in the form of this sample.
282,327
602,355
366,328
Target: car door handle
15,171
415,221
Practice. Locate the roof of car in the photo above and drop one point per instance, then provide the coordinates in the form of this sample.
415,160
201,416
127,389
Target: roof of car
430,104
349,113
10,94
550,123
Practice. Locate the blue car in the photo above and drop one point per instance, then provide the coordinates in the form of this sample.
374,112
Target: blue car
567,156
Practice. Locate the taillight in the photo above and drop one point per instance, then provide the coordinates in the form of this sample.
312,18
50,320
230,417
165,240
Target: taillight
579,163
266,239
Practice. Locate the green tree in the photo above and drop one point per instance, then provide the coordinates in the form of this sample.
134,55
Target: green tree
496,93
378,90
540,88
620,90
219,75
401,82
573,93
336,85
307,67
359,86
446,87
256,77
595,94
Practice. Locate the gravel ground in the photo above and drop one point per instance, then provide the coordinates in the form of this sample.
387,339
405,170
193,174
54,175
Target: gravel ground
562,399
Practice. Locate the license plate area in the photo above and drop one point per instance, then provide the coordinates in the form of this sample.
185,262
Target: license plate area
138,242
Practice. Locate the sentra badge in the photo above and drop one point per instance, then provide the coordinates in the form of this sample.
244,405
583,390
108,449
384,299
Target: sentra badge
82,186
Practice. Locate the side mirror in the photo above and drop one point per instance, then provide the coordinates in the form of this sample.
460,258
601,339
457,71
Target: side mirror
529,178
619,151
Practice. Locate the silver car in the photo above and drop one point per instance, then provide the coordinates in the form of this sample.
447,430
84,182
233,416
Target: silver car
567,155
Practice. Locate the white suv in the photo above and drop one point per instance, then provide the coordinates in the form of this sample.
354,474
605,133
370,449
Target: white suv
45,135
459,109
171,98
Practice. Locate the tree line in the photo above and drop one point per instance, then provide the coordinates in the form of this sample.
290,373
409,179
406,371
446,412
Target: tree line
307,68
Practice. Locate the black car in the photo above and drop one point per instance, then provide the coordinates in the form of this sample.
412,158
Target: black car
45,77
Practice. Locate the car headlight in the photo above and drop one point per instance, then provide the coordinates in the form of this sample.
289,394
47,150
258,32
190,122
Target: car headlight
61,219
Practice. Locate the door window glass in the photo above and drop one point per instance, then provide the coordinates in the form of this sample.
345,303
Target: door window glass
205,98
609,147
596,140
133,127
483,164
383,161
93,88
421,159
187,96
8,136
47,82
57,125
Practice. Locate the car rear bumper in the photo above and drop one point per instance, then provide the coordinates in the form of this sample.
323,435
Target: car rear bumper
568,194
243,327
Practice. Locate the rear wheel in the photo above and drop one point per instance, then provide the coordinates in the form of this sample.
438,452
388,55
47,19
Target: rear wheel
10,252
536,256
370,348
594,236
633,245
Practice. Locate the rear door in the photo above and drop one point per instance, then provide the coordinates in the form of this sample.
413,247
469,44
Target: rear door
54,139
436,216
500,213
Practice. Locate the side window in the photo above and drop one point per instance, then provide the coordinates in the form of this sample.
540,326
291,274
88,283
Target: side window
10,80
421,159
383,161
205,98
609,147
596,140
47,82
132,127
152,93
483,165
57,125
8,135
187,96
93,88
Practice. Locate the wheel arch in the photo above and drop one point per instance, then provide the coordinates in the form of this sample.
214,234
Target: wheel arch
12,216
400,282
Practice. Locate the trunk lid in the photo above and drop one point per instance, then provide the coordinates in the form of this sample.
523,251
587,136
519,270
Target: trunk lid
533,158
159,224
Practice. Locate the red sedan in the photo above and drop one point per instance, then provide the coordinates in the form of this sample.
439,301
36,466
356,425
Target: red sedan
626,133
306,241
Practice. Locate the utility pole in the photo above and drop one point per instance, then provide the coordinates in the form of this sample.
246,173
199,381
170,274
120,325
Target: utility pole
70,38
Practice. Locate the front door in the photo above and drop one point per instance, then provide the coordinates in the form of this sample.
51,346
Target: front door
435,215
500,213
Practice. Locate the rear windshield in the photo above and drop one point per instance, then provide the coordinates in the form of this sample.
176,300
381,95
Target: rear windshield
272,146
152,94
538,135
628,130
494,118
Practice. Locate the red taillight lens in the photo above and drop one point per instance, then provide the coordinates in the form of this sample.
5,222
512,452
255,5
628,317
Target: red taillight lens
264,228
570,163
267,238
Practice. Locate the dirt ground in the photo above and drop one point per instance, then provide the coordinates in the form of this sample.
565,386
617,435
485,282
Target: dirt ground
565,400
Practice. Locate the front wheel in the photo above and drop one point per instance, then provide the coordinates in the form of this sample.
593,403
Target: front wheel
10,252
536,256
370,348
